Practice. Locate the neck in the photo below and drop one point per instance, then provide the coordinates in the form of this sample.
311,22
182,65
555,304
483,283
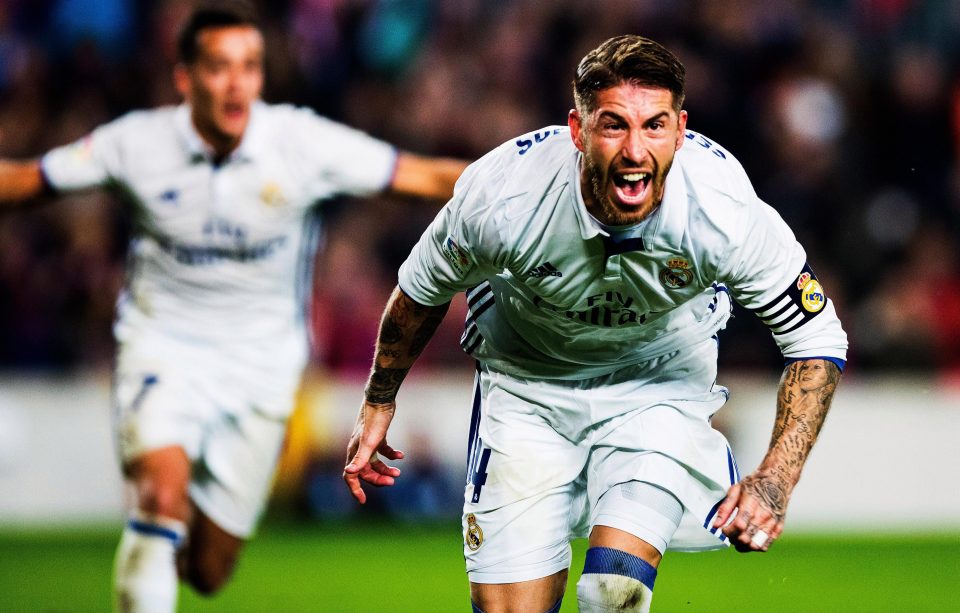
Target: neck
222,145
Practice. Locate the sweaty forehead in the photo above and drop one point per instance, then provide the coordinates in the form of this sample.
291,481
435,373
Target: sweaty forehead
234,40
632,99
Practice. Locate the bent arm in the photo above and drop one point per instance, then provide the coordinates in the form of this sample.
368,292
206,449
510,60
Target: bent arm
20,181
406,328
425,177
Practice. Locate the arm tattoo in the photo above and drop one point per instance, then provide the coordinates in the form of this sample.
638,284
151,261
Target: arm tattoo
425,332
404,332
806,390
383,384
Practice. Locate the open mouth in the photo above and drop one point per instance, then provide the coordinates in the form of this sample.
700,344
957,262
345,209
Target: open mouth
631,187
234,110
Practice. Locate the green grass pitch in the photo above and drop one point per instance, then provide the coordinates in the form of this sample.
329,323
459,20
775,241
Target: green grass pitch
398,567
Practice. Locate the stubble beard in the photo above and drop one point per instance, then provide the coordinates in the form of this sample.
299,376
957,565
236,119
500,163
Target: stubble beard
607,211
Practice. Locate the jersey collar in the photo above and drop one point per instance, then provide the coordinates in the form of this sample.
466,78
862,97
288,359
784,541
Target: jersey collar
199,151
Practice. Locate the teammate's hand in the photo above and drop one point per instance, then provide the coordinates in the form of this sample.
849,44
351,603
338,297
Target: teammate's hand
368,439
752,514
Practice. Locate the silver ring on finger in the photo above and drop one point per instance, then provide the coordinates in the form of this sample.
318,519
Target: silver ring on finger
759,537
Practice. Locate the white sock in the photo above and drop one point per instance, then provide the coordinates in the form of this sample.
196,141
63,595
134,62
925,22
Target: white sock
614,580
145,570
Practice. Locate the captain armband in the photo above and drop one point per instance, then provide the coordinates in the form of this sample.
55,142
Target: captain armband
803,300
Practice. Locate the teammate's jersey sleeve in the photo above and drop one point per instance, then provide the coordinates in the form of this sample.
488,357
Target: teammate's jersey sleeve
88,162
352,161
462,246
766,271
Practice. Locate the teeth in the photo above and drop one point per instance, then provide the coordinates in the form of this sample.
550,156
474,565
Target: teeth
636,176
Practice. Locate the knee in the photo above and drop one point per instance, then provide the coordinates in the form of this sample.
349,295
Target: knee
164,499
208,572
161,478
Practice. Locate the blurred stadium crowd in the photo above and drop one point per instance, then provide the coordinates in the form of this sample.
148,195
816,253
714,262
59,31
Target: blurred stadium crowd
845,113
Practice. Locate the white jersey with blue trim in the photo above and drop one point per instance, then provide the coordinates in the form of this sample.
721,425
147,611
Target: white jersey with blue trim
221,253
552,295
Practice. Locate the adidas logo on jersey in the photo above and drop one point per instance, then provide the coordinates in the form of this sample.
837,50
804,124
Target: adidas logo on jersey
545,270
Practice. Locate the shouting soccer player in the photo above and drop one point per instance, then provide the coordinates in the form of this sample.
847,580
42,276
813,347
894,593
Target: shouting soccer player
209,327
599,262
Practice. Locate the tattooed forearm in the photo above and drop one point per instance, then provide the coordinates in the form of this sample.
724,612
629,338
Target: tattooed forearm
383,384
425,332
404,332
806,390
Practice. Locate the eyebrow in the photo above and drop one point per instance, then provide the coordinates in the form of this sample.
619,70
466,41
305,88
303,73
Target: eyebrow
610,115
659,115
614,116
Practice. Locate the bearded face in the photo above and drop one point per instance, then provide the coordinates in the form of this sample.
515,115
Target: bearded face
628,143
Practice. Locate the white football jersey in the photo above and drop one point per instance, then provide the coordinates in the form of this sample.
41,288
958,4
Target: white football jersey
221,253
552,295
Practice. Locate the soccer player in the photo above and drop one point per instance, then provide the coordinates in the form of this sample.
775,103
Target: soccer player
210,326
599,262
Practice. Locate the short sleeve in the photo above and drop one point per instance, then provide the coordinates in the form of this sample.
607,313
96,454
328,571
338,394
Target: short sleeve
459,249
349,160
88,162
766,271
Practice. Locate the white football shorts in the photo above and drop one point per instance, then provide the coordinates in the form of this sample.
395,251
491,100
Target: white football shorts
547,457
226,419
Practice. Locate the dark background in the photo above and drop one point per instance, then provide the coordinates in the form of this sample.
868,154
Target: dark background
846,115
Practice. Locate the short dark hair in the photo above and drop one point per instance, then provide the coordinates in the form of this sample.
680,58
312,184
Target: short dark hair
627,59
213,14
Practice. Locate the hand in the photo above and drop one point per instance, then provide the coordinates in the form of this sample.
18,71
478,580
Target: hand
760,503
368,439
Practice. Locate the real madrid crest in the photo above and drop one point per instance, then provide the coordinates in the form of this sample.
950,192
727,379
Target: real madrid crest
811,295
474,535
676,274
272,195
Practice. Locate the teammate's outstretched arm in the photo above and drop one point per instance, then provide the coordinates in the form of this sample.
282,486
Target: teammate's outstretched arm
426,177
761,498
20,180
405,329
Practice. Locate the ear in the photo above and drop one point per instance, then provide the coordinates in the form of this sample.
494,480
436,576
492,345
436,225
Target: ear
181,80
681,129
575,122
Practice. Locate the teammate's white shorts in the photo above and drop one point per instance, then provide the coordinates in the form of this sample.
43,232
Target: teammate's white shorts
543,454
227,421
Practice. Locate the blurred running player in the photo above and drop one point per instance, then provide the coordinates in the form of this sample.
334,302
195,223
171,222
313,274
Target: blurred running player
210,326
599,262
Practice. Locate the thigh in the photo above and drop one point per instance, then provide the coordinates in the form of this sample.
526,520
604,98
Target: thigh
525,497
157,405
234,473
667,448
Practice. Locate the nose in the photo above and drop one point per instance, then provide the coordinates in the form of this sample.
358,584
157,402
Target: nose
634,147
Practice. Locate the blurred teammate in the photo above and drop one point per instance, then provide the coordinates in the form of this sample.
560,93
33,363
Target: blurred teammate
210,326
599,261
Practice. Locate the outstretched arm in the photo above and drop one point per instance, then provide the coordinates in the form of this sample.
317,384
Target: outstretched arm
760,499
405,329
426,177
20,181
